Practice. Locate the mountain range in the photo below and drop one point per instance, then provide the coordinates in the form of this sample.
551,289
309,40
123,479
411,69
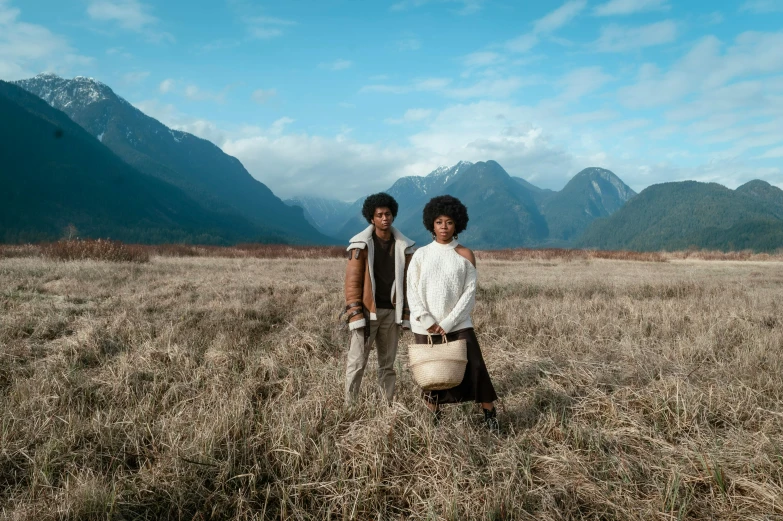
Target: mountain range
76,153
56,174
675,216
505,211
202,170
327,215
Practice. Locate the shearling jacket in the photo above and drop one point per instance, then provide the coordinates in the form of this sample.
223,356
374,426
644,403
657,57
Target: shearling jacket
360,279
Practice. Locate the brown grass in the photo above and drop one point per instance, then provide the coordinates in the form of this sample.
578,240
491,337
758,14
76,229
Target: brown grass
98,249
744,255
564,254
116,251
211,388
256,251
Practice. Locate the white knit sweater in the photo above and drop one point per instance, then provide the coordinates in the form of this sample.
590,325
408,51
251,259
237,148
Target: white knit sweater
441,288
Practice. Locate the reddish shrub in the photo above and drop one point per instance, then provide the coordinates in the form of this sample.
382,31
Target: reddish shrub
98,249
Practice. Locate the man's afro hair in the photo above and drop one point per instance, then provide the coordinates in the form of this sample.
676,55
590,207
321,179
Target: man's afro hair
448,206
379,200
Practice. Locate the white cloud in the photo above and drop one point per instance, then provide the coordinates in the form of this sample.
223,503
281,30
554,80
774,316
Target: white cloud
482,59
411,115
266,27
752,99
337,65
135,77
772,153
539,143
195,93
713,18
628,125
423,85
408,4
625,7
166,85
279,125
706,66
417,114
615,38
485,88
431,84
582,81
522,43
468,6
559,17
762,6
128,14
499,131
266,33
549,23
729,173
27,49
192,91
302,164
488,88
263,95
293,163
219,45
118,51
168,114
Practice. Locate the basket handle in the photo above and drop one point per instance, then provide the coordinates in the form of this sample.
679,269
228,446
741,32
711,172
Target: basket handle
429,339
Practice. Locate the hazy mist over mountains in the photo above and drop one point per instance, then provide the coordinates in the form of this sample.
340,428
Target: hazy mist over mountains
79,154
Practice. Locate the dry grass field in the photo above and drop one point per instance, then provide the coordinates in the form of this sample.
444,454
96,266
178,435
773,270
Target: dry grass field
212,388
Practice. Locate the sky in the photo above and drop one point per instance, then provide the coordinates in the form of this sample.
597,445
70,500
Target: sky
340,98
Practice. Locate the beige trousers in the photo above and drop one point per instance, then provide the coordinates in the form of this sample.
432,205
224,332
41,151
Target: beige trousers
386,334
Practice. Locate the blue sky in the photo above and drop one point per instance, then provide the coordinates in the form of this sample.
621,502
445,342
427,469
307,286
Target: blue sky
340,98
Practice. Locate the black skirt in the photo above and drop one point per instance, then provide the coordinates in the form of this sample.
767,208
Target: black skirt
476,385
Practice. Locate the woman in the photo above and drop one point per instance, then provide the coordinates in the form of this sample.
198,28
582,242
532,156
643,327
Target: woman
441,295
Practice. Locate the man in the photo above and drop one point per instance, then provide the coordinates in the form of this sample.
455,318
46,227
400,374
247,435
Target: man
375,303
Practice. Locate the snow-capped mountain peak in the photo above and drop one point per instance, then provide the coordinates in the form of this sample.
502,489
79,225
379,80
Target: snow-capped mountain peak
438,171
442,175
62,93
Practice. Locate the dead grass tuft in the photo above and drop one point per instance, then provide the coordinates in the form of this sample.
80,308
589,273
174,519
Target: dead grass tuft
255,251
98,249
206,387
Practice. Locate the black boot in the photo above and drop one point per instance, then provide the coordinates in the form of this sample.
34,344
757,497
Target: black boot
491,420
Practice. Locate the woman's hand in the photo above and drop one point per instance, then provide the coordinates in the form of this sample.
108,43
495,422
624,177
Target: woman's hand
436,329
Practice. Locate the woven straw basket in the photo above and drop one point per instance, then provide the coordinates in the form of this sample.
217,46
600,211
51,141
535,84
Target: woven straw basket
438,366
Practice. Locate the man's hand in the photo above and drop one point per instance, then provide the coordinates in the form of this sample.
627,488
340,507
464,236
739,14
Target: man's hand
436,329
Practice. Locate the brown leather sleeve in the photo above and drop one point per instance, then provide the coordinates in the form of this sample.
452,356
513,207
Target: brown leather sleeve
406,312
354,281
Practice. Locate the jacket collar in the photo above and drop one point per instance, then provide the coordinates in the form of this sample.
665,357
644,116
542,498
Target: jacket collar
366,236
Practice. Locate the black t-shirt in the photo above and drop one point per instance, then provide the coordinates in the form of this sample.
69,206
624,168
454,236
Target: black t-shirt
383,269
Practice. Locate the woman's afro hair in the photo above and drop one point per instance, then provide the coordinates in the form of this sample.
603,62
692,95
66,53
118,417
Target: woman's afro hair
379,200
448,206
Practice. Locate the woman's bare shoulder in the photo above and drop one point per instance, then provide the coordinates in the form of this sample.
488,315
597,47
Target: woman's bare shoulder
465,252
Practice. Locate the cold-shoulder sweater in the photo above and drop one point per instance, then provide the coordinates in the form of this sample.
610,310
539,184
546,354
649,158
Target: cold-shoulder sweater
441,288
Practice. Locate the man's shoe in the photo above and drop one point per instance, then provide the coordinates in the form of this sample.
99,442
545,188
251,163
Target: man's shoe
491,420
